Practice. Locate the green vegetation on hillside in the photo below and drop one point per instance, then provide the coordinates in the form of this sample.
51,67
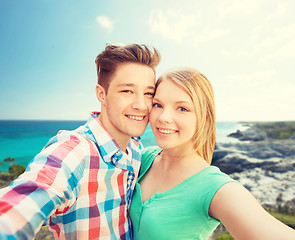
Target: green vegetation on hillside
288,219
14,171
276,130
224,236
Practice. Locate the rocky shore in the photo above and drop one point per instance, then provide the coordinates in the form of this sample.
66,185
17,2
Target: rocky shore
263,161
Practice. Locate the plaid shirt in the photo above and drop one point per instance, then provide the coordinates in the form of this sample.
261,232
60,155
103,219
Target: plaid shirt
81,184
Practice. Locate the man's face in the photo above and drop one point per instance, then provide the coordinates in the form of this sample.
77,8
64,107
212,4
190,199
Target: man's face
126,106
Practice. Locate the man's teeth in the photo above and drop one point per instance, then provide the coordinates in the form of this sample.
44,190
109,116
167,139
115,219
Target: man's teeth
166,131
138,118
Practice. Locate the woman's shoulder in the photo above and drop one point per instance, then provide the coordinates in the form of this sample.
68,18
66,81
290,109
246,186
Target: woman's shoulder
214,175
148,155
209,180
150,151
208,183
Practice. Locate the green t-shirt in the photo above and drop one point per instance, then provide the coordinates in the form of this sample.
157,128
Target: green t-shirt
180,212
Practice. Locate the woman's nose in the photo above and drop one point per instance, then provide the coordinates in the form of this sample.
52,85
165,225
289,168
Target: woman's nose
165,116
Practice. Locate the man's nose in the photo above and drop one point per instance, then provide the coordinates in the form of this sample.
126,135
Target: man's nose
141,103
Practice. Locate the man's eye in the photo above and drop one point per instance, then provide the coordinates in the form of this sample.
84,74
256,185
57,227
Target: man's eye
149,94
126,91
157,105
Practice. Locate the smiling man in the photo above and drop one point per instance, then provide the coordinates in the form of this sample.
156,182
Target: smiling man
82,181
127,102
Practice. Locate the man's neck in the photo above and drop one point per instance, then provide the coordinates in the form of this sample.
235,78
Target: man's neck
121,139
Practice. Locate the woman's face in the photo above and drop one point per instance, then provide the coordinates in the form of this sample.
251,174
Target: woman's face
173,117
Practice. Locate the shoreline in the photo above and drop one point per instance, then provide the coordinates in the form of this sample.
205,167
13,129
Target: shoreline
24,142
263,161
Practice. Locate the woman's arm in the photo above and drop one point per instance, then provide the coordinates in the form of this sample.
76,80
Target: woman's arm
244,217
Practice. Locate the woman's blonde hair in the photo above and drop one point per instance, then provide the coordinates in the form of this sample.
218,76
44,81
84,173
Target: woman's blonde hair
200,90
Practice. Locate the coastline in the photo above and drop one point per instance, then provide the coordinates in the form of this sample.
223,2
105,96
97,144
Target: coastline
23,140
263,161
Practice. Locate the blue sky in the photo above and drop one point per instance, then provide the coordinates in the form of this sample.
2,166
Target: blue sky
245,48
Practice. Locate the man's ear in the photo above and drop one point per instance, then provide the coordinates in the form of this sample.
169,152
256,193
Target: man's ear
100,93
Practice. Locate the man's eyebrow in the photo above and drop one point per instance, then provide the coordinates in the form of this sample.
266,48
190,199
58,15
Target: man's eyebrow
121,85
151,87
126,85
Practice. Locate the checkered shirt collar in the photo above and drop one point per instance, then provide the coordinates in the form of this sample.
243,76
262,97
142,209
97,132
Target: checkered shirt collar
108,147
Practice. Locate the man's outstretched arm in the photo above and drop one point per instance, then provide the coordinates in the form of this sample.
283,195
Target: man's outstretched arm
46,187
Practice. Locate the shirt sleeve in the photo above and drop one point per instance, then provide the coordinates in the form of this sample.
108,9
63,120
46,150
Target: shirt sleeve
214,181
49,185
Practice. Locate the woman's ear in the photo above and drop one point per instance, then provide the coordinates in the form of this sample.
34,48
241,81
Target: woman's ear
100,93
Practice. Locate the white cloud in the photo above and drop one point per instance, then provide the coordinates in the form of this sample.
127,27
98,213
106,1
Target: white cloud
286,33
285,51
257,96
105,23
274,42
241,53
280,10
241,7
172,24
249,80
209,35
273,102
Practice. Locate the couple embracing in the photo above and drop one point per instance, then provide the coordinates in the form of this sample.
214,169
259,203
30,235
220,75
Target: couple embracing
98,182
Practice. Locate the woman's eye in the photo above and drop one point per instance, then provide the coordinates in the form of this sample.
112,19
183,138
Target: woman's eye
157,105
182,109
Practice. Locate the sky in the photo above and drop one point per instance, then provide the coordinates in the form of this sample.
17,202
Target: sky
246,48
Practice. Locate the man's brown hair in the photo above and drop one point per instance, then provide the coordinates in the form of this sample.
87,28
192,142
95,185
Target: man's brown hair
108,61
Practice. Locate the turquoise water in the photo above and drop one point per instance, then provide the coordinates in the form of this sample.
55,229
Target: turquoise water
22,140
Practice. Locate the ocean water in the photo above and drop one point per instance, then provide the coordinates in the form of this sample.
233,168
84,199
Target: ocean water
23,139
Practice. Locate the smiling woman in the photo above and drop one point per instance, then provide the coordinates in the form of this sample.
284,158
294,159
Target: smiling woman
173,117
179,195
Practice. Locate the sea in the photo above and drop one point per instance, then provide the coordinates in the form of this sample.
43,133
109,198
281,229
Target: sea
23,139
